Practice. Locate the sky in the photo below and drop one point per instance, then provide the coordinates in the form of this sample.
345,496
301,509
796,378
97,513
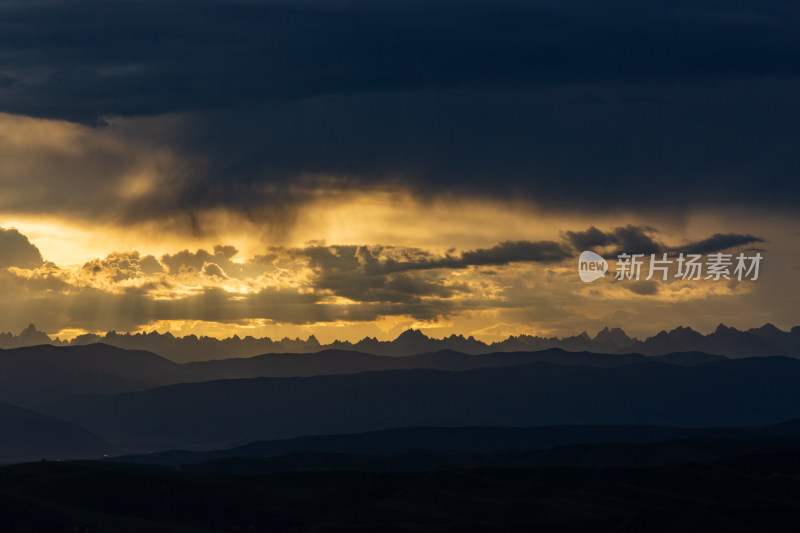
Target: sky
349,168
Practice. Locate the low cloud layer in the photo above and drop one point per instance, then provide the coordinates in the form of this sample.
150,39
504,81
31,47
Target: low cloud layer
352,286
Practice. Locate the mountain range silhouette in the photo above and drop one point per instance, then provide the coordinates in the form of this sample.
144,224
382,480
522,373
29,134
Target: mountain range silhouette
724,340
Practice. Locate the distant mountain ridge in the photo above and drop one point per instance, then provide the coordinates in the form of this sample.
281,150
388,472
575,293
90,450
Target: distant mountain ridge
33,375
727,341
227,413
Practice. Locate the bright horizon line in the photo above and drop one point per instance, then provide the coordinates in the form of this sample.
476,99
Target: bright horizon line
55,337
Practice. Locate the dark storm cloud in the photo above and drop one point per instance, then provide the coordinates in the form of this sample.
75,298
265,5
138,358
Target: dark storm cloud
406,275
409,288
636,239
588,145
718,242
96,59
403,275
590,104
643,288
384,259
17,251
642,240
590,238
511,251
629,239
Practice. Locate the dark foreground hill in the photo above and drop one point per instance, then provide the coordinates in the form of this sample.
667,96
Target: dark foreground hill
401,447
224,413
29,436
586,455
753,492
37,375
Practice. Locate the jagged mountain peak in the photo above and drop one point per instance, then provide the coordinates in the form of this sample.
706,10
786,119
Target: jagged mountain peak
767,328
312,340
412,333
31,335
614,335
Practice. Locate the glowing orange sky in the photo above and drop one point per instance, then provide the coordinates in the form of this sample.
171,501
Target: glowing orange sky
98,277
